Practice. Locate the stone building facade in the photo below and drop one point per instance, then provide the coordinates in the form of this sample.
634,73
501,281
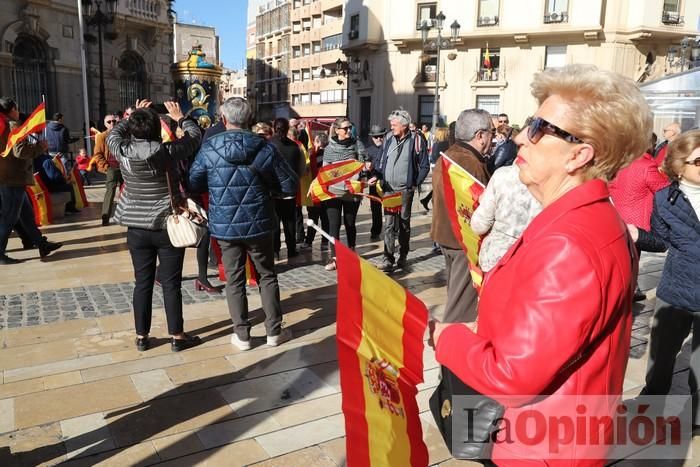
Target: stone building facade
187,35
40,54
522,37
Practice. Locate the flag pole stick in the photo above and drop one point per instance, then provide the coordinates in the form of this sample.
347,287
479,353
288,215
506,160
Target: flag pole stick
43,99
318,229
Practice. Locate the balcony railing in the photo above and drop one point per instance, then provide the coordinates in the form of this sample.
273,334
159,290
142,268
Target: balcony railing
487,21
147,9
556,17
670,17
488,74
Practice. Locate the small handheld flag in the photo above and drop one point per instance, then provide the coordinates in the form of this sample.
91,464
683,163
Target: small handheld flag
35,123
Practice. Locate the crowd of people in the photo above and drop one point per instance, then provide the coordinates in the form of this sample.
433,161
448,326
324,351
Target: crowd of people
569,204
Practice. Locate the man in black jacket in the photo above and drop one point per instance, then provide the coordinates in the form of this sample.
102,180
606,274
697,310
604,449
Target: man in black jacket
374,152
286,206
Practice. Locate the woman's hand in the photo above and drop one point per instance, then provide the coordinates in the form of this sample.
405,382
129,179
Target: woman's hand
372,181
634,232
143,103
436,328
174,111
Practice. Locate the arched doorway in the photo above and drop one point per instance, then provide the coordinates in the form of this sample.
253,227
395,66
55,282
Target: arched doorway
133,82
30,72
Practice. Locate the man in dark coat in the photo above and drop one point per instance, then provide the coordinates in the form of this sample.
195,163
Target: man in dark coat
242,172
374,152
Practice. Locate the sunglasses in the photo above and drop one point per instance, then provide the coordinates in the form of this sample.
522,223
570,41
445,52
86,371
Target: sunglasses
539,127
111,121
695,162
346,128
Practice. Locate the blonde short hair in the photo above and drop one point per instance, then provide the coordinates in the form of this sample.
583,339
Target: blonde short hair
608,111
678,151
442,134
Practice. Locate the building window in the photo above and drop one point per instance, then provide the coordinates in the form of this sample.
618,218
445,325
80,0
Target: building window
305,74
489,69
295,99
488,13
132,79
297,3
316,46
333,96
296,51
672,12
307,2
354,27
426,12
296,26
296,76
29,75
316,72
425,109
315,98
555,56
306,49
305,99
317,21
306,24
428,68
331,42
489,103
556,11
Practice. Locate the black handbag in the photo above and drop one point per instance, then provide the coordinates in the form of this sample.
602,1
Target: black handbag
467,424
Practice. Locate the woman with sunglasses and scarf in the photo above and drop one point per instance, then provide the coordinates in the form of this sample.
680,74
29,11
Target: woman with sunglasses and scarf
675,226
342,146
555,313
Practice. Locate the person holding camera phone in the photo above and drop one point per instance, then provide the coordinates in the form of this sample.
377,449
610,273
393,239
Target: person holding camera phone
144,208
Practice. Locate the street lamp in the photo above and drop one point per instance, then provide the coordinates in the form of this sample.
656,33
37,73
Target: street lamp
348,69
438,43
100,19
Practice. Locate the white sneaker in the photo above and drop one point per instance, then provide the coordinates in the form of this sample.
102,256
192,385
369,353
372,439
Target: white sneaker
240,343
281,338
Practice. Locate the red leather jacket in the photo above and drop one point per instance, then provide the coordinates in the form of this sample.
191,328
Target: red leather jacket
562,294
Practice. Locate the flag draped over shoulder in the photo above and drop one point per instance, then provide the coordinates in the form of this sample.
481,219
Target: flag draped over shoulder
166,134
380,354
35,123
462,192
330,174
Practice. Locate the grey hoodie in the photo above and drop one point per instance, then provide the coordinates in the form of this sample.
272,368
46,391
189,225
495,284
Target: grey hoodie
145,201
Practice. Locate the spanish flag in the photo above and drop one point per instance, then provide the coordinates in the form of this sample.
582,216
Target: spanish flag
304,197
35,123
392,202
380,328
166,133
356,187
487,58
75,181
337,172
41,203
462,192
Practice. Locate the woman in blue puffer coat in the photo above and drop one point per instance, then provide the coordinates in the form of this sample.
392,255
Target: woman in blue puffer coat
675,226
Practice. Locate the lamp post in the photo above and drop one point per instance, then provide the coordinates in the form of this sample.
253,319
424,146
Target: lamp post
100,19
438,43
347,69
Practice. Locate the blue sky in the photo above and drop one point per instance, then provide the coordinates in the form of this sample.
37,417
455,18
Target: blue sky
229,19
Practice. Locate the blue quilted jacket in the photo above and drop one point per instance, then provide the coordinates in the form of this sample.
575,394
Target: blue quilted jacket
675,226
241,171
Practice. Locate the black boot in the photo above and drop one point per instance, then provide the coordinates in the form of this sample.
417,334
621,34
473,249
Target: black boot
46,247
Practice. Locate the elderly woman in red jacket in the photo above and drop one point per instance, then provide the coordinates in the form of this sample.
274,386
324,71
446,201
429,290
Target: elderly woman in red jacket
555,313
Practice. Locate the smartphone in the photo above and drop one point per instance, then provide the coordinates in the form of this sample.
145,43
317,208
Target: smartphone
160,108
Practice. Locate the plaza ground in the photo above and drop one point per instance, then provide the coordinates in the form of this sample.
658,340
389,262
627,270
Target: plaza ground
74,389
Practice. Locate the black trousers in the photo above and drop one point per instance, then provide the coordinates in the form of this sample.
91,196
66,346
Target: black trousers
377,213
315,213
233,256
398,226
286,210
145,246
670,328
348,208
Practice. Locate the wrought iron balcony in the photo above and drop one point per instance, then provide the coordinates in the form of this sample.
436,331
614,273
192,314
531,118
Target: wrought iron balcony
487,21
556,17
671,17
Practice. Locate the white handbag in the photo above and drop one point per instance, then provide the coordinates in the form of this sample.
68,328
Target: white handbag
186,225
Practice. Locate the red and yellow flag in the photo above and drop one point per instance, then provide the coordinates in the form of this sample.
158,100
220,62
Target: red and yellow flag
35,123
75,181
380,330
462,192
392,202
356,187
41,203
333,173
304,196
487,58
166,134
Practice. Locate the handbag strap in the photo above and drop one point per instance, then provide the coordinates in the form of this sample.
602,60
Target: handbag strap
171,194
